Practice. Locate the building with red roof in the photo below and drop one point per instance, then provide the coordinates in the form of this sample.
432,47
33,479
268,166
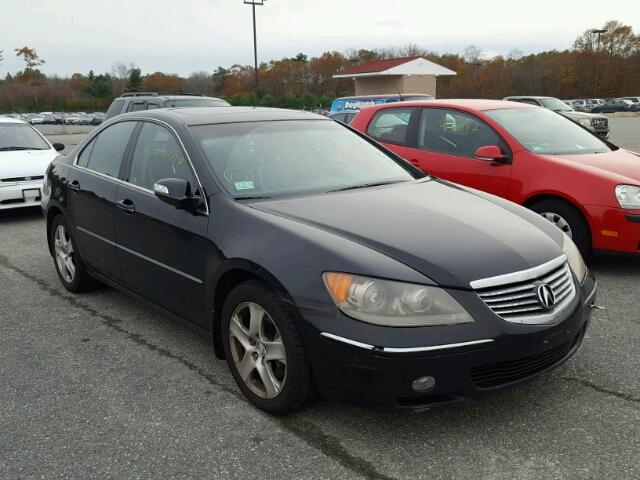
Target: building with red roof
404,75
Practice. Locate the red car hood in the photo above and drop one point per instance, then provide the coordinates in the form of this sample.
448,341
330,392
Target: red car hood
620,162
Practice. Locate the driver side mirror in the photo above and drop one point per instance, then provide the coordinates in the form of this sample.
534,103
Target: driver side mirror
176,192
491,153
58,147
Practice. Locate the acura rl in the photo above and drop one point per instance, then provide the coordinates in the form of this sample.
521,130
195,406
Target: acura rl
315,258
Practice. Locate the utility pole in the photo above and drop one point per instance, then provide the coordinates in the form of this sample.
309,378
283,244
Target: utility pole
595,83
253,4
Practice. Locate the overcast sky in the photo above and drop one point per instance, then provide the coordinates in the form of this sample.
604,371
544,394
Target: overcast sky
189,35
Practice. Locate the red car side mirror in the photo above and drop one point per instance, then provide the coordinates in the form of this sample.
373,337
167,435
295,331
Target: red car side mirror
490,153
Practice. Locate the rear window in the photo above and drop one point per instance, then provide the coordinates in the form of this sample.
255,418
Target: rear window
115,108
391,125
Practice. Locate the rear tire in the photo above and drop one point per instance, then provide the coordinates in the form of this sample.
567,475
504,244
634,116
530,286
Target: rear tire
70,267
263,349
568,219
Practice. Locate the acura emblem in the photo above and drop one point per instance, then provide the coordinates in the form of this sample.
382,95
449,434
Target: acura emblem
545,296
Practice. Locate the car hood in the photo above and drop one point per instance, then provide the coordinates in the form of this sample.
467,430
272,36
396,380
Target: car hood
576,115
444,232
620,162
25,163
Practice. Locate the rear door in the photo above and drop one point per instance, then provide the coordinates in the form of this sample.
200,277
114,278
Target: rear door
161,248
445,145
93,185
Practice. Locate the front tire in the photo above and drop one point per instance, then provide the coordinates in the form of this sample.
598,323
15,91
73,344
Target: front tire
70,268
263,349
568,219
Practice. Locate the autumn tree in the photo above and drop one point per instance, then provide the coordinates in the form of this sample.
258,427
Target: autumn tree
161,82
31,58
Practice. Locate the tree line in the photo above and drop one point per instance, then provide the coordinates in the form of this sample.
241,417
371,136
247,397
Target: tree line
605,65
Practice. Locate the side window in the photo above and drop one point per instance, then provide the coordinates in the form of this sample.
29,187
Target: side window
83,158
137,106
391,125
454,133
152,105
157,156
106,151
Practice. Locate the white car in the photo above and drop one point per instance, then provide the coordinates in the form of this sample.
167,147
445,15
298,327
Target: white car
24,157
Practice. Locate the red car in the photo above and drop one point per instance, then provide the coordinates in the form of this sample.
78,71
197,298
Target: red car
530,155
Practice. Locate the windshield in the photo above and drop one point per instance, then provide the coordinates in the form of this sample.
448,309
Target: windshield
542,131
18,136
555,105
198,102
264,159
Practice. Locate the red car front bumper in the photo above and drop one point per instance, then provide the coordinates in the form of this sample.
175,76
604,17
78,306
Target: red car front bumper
615,229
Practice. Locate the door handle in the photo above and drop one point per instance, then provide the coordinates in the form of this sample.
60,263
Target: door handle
127,205
75,185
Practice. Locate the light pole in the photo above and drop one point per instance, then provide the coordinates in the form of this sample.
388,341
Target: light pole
595,83
253,4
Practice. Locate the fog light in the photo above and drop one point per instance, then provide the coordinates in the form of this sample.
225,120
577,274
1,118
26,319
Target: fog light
423,384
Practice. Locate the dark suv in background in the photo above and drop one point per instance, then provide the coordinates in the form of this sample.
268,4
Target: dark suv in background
596,123
136,101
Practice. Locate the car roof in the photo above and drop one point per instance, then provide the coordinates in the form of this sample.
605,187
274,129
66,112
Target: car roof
214,115
463,103
166,96
10,120
528,96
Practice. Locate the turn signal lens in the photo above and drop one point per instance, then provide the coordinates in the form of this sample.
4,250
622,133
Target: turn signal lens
338,284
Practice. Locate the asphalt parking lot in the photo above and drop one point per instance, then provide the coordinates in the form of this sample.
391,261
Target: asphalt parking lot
100,386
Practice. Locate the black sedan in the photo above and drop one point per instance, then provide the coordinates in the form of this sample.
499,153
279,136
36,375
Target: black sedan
315,258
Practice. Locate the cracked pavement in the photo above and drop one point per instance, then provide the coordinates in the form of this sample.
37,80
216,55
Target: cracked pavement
100,386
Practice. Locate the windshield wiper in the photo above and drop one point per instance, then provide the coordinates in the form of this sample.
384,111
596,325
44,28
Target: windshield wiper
365,185
3,149
249,197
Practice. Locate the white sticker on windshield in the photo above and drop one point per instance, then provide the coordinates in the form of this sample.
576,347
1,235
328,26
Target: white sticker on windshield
246,185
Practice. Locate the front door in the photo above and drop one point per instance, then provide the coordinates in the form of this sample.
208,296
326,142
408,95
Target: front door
161,248
93,185
445,145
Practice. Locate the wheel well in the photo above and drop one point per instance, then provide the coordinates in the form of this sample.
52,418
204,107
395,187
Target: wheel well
52,213
230,280
227,282
530,202
541,198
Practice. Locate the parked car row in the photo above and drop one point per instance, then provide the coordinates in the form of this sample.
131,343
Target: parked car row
60,118
609,105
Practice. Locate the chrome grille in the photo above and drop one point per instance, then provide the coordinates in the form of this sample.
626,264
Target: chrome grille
518,302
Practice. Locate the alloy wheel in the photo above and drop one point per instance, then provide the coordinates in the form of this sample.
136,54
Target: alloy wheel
64,254
258,350
558,221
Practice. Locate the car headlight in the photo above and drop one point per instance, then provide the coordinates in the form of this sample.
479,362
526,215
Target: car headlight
585,121
394,304
628,196
574,257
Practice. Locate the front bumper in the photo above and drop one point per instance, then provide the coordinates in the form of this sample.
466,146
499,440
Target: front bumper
383,377
20,194
615,229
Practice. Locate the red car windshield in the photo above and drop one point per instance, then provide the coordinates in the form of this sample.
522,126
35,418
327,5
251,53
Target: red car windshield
542,131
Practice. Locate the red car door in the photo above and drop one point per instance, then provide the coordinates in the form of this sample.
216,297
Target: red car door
445,146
